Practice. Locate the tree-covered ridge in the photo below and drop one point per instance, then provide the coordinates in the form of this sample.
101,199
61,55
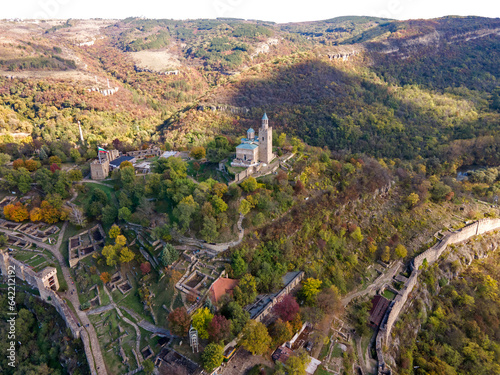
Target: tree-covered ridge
47,345
348,106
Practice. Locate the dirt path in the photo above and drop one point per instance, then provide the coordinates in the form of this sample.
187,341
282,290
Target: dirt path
219,247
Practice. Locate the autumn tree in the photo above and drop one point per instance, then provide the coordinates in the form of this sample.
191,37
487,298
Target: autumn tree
198,152
32,165
328,300
280,332
201,319
386,254
36,214
310,289
255,338
179,321
219,189
55,160
75,175
356,235
105,277
109,252
250,184
114,231
297,364
212,357
19,163
145,268
245,207
287,308
125,164
412,200
401,251
219,329
16,212
126,255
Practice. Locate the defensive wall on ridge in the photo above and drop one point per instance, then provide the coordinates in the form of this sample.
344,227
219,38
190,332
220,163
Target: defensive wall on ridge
34,279
431,255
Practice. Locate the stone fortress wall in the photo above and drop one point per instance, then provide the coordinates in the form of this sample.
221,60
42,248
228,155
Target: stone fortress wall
39,281
431,255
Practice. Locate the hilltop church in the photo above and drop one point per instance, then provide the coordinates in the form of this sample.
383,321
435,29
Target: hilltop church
255,149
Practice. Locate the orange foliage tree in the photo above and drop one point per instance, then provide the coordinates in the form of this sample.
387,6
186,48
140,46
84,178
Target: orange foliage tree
19,163
36,214
16,212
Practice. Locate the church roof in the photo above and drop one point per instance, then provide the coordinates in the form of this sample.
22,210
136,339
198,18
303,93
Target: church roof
222,286
247,146
265,116
250,130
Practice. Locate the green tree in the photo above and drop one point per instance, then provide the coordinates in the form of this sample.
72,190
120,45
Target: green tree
212,357
4,159
109,214
255,338
75,175
209,232
75,155
148,367
238,265
23,180
124,214
246,291
184,211
200,320
127,175
238,316
356,235
169,255
219,204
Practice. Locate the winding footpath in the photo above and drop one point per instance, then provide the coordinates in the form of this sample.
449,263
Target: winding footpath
215,247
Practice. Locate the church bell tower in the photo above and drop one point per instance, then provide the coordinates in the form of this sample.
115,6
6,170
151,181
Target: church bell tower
265,141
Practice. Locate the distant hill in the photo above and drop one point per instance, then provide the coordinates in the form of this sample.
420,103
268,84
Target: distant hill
384,87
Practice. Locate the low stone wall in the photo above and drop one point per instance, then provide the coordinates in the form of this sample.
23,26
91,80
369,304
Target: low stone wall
431,255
